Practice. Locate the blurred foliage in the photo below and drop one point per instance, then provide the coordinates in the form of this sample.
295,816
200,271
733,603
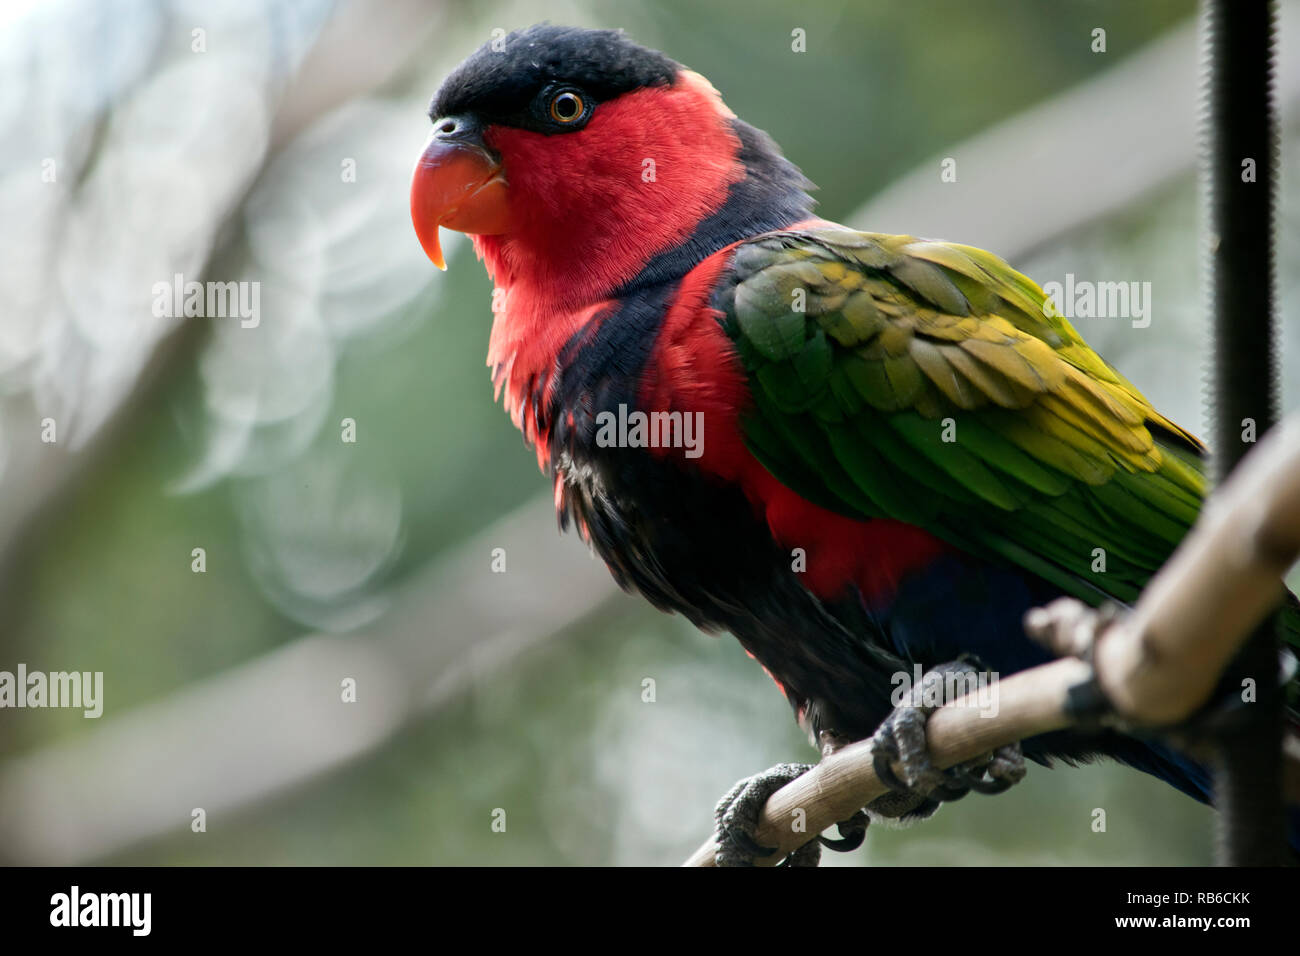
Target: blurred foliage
885,85
587,772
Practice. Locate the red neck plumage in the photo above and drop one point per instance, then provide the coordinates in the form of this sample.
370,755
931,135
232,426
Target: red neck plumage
589,210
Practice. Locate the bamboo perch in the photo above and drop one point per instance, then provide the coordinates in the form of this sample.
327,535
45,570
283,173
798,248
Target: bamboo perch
1029,703
1157,664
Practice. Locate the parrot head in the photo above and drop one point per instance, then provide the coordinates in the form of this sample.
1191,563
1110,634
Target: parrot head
574,156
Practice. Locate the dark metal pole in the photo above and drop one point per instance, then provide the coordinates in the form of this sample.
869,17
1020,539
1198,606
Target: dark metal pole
1239,176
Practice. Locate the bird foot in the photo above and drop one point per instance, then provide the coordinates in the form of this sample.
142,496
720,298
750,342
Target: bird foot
738,813
900,741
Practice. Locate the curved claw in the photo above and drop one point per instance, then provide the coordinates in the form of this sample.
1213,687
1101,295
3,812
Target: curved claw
853,832
949,792
980,783
810,854
747,844
882,763
994,786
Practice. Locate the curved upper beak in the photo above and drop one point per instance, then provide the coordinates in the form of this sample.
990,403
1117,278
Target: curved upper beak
458,183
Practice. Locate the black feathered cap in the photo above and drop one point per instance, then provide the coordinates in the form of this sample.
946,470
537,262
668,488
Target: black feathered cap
502,84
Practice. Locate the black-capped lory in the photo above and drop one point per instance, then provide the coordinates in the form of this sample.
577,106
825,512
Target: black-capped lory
858,453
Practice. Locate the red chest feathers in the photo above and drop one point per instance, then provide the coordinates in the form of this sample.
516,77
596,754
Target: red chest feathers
693,370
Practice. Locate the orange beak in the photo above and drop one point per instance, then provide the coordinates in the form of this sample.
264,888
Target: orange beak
457,184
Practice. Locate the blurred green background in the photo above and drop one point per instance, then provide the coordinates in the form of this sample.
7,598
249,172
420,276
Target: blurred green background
231,163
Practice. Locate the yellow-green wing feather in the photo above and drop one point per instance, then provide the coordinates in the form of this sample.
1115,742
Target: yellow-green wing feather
930,382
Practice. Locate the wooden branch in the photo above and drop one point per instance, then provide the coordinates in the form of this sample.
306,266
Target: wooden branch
1028,703
1157,664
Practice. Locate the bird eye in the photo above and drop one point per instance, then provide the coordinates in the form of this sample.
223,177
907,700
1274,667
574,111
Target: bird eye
567,107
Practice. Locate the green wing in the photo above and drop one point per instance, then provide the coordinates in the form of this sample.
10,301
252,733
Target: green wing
923,381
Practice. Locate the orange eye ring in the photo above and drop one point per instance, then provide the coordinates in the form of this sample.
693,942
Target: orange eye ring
567,107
